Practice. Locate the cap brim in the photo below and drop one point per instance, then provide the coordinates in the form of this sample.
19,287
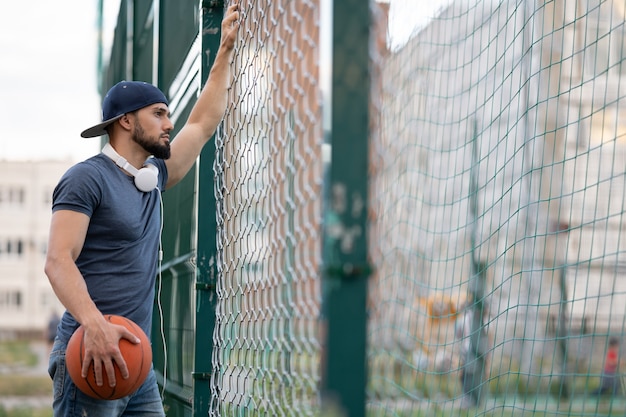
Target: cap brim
99,129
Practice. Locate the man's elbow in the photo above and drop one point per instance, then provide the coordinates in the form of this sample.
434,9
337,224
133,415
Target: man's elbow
51,268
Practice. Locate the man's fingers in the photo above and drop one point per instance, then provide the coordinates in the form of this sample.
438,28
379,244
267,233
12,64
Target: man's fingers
130,336
98,374
85,369
230,24
231,18
97,371
110,370
121,363
232,13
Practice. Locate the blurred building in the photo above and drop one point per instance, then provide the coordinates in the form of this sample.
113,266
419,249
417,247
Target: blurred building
26,297
524,109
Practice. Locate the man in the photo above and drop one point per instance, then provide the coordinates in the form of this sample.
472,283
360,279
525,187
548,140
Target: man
53,323
472,353
610,381
105,229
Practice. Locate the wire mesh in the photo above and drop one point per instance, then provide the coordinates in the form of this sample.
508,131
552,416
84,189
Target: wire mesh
269,170
497,194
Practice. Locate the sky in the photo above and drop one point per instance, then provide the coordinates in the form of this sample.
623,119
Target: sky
48,74
48,79
405,16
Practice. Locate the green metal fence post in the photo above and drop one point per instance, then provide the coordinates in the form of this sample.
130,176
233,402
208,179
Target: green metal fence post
474,361
206,279
346,271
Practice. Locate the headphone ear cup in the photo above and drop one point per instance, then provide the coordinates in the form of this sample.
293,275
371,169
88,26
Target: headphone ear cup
147,178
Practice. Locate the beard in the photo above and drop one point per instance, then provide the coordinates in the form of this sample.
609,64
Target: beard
150,143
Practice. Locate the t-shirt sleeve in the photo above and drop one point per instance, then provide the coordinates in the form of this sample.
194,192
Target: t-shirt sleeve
78,190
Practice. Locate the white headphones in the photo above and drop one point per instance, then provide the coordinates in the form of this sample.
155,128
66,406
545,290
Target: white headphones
146,178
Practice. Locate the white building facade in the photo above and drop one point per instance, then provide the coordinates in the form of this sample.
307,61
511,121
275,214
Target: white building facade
26,297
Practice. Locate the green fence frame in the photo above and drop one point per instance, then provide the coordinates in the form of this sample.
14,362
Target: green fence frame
206,276
347,269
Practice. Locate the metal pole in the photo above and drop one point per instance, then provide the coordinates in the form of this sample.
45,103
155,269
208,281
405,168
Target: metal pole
346,268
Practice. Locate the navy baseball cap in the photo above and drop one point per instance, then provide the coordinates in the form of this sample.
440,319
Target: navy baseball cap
125,97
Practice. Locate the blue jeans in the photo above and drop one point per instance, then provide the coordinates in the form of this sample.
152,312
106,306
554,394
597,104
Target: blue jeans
69,401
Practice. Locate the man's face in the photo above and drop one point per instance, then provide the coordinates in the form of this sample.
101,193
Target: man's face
152,129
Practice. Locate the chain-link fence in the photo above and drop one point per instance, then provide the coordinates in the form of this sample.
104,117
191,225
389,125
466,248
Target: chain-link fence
269,172
429,209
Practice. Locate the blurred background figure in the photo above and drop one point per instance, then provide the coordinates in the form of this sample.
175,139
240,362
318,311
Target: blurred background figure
610,383
51,330
471,331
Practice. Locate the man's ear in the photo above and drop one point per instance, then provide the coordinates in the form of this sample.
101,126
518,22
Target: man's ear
125,122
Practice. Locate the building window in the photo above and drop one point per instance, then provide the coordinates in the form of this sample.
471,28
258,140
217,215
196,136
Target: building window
12,195
10,300
11,247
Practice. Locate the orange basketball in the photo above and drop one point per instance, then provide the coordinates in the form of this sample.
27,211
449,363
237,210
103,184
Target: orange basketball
138,358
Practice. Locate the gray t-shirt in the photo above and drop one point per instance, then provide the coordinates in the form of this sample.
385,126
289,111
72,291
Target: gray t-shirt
120,254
